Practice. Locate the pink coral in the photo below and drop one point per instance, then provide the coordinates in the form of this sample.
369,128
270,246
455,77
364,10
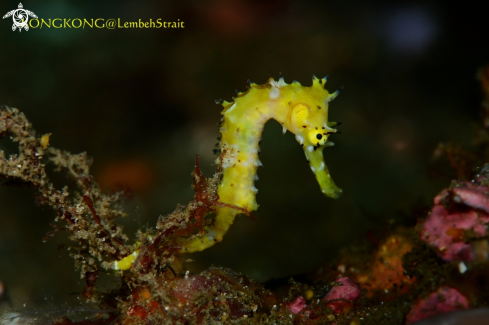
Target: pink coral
342,296
444,300
297,305
462,209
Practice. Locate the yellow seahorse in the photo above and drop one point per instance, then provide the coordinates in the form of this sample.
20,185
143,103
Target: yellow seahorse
301,110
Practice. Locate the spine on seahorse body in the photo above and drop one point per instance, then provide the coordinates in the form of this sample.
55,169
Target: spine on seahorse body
301,110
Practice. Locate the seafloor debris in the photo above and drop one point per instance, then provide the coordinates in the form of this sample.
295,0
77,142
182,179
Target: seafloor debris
386,271
342,295
297,305
442,301
458,222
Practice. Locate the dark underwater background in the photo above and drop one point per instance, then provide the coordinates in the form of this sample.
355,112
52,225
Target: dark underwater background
141,103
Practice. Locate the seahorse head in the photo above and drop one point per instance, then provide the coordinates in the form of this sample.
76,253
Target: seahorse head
307,118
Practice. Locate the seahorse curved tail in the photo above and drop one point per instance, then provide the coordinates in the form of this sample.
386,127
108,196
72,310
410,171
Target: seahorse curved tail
214,233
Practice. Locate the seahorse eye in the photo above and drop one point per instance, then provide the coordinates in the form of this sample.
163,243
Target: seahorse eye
319,136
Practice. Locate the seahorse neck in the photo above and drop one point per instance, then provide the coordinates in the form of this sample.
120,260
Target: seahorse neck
242,129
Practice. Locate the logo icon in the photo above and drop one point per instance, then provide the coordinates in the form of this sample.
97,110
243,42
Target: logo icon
20,17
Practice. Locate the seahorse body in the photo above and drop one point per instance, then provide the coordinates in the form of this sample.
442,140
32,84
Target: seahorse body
301,110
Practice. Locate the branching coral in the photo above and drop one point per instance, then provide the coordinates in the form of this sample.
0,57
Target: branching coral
88,214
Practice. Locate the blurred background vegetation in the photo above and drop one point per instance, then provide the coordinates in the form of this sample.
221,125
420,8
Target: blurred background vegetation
141,102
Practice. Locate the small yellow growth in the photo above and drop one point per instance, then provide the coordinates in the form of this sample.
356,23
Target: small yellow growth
309,294
145,294
126,262
355,321
45,140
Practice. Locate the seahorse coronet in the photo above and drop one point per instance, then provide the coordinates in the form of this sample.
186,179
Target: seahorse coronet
302,110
